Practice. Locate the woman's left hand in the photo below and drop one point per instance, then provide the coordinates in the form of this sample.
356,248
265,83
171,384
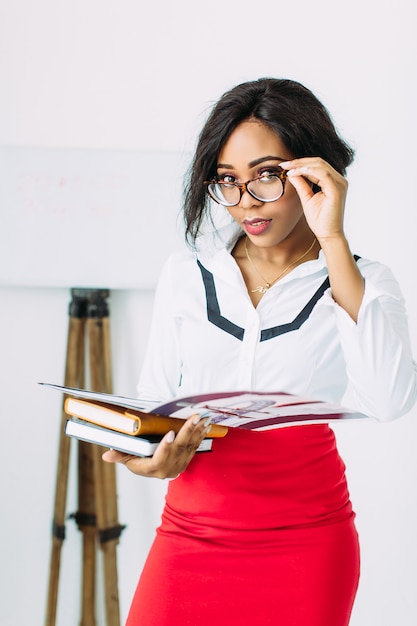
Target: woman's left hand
324,210
172,455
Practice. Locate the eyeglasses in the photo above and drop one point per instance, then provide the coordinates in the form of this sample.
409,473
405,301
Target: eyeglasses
265,188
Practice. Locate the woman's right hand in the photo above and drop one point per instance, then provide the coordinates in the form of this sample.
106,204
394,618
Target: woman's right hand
172,455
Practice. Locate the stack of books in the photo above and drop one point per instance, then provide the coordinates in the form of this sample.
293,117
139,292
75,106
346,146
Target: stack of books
124,424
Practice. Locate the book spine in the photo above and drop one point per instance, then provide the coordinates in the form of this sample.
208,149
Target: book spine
152,424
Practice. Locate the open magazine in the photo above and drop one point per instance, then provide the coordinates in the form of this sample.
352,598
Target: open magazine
249,410
126,424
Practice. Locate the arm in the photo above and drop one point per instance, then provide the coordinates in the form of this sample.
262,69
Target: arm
377,349
158,382
369,307
324,212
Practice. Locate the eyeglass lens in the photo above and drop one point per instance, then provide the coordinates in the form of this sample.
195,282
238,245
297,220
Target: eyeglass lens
265,189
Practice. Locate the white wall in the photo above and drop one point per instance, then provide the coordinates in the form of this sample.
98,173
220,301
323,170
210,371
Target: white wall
121,75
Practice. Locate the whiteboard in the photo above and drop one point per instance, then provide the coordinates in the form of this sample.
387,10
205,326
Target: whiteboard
88,218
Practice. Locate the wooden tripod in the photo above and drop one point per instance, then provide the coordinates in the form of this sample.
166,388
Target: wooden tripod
97,504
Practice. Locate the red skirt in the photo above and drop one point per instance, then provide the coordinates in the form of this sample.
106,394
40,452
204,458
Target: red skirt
259,531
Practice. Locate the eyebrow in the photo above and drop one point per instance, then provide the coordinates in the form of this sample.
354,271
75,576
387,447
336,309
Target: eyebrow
255,162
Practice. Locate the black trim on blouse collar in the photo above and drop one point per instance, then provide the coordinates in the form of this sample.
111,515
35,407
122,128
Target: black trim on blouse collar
215,317
213,308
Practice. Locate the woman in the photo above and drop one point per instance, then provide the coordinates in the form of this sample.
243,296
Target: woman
261,530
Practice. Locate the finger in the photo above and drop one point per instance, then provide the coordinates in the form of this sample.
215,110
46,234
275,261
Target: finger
157,466
175,451
304,162
316,170
307,173
303,187
195,425
114,456
186,443
144,466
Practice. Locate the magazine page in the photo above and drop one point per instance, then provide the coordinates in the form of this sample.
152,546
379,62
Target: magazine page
258,410
97,396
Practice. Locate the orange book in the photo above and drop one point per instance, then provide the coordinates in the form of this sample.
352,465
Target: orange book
128,420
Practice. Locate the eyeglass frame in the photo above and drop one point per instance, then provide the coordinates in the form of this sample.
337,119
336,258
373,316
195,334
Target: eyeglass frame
282,175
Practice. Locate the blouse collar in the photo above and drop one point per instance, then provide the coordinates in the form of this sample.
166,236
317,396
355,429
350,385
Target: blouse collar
213,250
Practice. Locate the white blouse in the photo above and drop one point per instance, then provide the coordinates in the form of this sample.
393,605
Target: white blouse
207,336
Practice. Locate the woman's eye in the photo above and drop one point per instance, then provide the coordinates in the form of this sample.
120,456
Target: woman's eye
266,176
227,179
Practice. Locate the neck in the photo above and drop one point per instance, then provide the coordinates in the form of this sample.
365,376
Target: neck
281,254
264,270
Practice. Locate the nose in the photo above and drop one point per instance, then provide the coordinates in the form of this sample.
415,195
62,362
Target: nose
247,201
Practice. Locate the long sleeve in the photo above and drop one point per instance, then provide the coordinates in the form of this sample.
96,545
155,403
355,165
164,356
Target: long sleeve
161,370
381,371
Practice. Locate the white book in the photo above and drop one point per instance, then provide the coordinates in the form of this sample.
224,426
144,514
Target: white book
138,446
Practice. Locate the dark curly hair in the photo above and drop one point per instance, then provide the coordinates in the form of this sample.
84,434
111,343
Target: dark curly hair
288,108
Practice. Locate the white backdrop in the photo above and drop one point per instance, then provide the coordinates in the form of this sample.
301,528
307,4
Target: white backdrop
107,75
87,217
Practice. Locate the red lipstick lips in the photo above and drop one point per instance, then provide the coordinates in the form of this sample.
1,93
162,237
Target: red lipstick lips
256,225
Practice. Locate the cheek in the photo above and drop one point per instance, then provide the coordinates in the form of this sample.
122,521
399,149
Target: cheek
288,206
291,197
232,211
293,208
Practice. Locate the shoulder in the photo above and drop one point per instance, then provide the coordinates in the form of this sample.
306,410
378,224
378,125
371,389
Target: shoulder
379,275
207,248
180,258
178,269
370,268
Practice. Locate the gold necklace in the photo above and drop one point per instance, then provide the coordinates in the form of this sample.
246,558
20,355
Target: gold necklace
263,289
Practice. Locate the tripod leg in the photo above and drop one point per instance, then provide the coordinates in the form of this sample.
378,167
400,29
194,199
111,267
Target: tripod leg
105,474
86,520
75,357
86,514
97,495
108,533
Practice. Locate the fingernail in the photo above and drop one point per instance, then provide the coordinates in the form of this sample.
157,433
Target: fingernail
208,429
284,163
170,436
207,422
199,417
